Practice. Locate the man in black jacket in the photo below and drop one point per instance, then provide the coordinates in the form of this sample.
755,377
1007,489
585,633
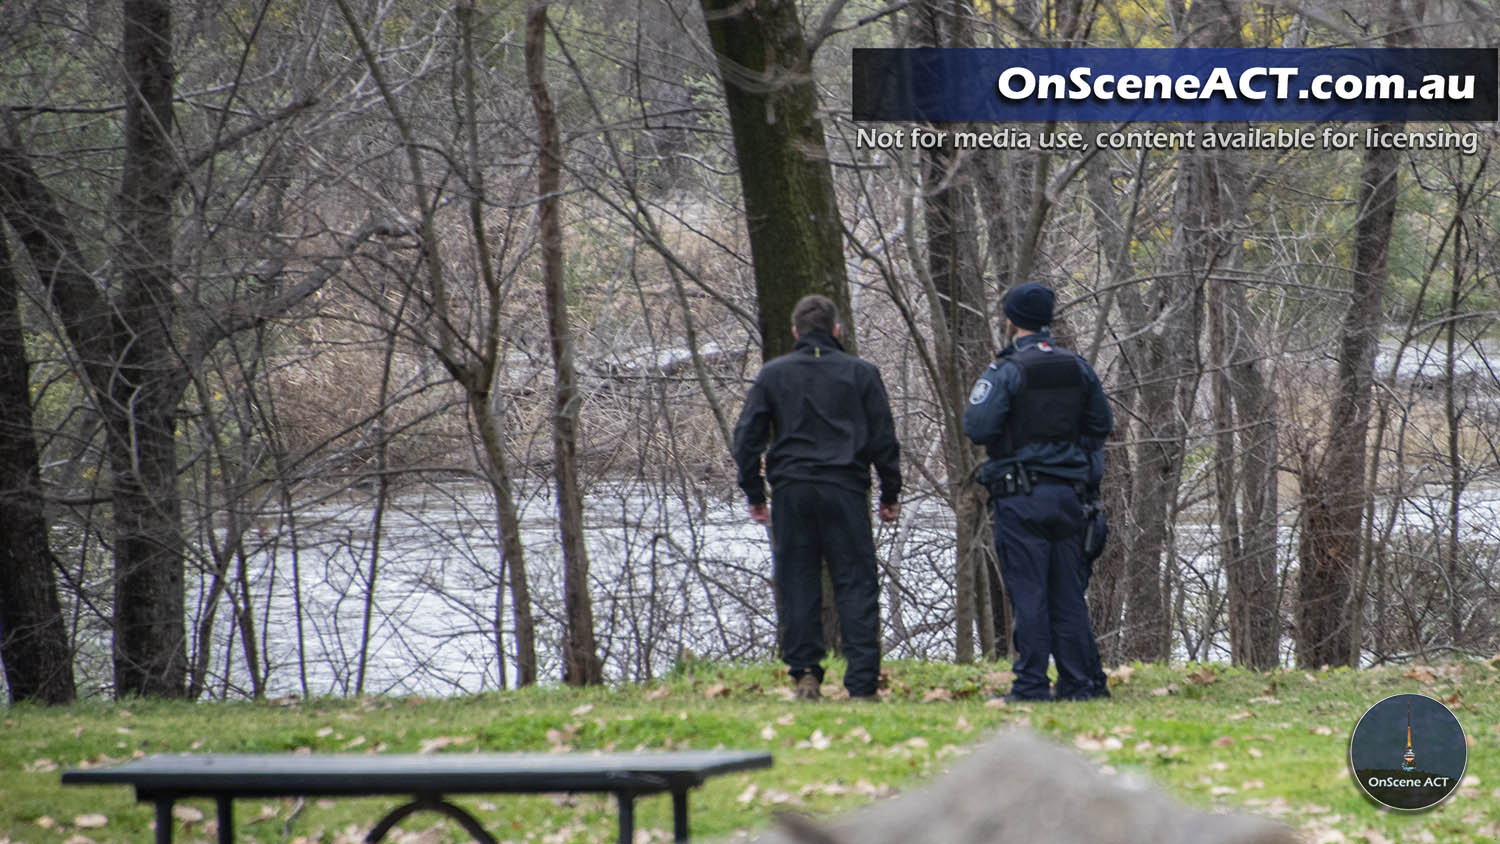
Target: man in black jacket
828,420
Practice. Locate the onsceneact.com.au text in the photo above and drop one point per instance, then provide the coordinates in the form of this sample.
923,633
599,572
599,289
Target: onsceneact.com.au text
1254,83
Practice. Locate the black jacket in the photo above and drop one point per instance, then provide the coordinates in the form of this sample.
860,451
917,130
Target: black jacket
830,419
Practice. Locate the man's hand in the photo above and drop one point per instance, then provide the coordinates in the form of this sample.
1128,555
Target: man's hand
890,512
760,513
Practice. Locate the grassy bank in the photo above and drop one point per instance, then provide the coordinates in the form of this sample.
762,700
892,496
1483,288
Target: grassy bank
1274,744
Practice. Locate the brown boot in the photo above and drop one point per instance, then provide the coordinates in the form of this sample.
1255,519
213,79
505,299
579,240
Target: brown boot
808,687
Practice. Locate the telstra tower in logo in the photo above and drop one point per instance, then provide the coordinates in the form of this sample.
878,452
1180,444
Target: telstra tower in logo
1398,778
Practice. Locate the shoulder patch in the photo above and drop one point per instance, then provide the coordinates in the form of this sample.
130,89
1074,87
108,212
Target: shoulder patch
981,391
1044,346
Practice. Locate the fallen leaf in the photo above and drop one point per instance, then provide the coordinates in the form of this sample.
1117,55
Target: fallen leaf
999,703
962,725
1219,766
93,821
1202,678
187,814
1422,674
1255,753
716,690
583,710
937,694
1221,790
78,839
786,720
819,741
1223,741
1321,731
1241,715
1170,689
1120,675
768,732
1251,785
658,693
45,822
749,794
862,735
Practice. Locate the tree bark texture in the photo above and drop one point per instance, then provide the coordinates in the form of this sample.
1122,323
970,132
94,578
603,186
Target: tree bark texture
581,665
492,434
792,215
1249,485
33,637
149,608
962,345
1333,491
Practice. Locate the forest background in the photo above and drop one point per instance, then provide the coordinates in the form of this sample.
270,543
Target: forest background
381,346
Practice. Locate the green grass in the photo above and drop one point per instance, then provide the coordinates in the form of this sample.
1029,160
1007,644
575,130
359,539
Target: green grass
1273,744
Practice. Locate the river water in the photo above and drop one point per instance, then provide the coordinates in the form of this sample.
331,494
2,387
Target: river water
671,576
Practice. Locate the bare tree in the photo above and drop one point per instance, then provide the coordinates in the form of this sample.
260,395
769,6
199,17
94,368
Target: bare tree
580,654
33,639
1333,484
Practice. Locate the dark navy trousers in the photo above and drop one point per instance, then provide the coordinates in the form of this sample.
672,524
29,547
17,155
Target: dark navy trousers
812,523
1038,536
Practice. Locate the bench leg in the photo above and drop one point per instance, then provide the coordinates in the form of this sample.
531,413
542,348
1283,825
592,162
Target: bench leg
627,816
226,820
164,820
680,815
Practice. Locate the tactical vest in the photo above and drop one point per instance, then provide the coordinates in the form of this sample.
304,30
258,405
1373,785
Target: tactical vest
1049,405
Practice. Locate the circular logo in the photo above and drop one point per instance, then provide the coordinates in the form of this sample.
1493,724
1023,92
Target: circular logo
1408,752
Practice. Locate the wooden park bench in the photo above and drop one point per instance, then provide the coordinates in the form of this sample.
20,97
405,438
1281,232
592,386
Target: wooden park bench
427,779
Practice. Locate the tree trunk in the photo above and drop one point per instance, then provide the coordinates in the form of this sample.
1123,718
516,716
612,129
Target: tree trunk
792,215
581,664
491,432
1333,494
149,609
1254,611
962,346
33,638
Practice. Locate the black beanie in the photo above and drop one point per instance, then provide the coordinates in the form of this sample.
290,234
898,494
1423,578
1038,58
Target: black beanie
1029,305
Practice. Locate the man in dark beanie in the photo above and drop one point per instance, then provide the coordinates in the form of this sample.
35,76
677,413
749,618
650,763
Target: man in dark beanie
1042,417
828,421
